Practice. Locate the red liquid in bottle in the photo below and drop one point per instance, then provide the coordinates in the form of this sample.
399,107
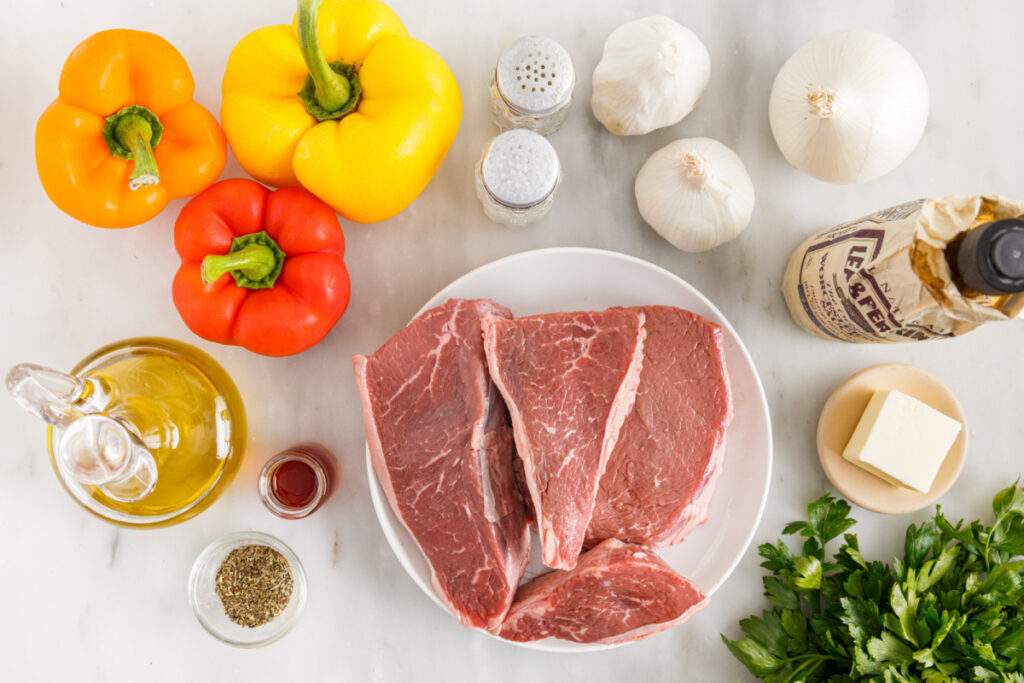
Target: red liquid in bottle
297,481
293,483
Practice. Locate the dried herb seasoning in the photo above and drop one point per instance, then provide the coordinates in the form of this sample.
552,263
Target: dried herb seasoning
254,583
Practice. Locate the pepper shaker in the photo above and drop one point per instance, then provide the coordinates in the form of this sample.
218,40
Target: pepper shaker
532,86
517,176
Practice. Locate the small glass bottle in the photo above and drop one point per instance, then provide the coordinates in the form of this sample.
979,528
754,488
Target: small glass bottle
532,86
295,482
516,177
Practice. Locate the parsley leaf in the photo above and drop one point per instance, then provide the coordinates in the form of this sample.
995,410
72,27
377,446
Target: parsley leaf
808,573
780,594
1011,643
1009,500
756,657
934,570
889,648
795,625
828,517
861,618
777,558
919,543
767,630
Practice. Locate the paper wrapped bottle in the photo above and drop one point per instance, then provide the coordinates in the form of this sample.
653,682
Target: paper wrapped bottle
927,269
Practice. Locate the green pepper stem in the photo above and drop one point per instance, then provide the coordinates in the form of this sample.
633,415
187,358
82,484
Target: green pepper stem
254,261
333,90
135,134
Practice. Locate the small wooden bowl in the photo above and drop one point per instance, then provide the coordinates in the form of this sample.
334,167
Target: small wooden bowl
839,419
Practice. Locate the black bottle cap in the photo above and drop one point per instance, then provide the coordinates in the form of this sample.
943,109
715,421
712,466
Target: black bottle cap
991,258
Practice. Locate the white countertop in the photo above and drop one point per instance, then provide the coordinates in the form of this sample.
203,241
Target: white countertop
86,601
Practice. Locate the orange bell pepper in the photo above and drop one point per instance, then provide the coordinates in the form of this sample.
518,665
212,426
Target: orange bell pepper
124,136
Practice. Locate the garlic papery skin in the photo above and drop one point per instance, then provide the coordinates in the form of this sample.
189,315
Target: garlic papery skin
696,193
651,75
849,107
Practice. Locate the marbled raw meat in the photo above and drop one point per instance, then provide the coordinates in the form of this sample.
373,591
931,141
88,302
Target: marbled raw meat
442,449
569,380
661,476
617,593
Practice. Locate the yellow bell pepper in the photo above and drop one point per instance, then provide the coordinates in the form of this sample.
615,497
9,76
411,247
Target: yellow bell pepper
344,103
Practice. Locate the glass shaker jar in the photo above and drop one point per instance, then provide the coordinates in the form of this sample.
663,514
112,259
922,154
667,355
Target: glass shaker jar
532,86
517,176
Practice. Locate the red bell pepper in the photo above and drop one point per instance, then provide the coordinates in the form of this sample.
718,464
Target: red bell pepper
260,269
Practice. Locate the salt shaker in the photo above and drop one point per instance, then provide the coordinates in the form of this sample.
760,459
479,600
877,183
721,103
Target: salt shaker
517,176
532,86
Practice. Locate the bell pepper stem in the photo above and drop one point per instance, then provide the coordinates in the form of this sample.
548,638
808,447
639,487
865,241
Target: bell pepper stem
333,90
135,134
132,133
254,261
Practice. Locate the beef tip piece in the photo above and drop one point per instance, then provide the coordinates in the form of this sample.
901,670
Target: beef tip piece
660,478
569,380
618,592
442,448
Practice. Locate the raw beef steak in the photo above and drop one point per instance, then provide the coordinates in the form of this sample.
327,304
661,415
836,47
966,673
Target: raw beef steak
617,593
442,449
661,475
569,380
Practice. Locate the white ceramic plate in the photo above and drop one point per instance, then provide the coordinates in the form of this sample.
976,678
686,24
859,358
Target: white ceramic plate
567,279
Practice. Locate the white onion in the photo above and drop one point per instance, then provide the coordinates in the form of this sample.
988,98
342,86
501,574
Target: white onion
849,107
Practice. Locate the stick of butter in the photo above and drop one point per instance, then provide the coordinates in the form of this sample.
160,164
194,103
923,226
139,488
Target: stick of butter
902,440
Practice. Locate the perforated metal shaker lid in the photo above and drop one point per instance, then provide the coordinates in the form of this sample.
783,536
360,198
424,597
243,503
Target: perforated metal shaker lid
520,168
535,75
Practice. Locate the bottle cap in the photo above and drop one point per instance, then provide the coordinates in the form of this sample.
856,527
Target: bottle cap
991,258
535,76
520,168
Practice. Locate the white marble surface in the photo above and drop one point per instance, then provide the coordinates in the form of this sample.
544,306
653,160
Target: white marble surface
87,602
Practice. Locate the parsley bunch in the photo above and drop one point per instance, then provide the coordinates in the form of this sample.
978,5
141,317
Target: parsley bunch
952,609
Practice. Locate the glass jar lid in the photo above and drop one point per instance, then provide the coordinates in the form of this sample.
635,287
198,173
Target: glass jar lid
520,168
535,75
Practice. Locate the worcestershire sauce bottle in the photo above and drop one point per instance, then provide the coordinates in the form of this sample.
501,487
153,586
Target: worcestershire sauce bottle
926,269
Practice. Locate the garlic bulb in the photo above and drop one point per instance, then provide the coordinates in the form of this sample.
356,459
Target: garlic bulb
695,193
650,76
849,107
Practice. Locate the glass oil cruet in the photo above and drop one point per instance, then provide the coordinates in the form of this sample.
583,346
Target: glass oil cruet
145,432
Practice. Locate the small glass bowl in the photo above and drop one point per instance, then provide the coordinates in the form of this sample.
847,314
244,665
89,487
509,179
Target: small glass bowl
206,603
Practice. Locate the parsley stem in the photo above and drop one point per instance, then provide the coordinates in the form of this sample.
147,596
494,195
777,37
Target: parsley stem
988,541
813,662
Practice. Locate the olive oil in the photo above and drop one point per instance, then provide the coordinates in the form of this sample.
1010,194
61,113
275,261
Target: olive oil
184,409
